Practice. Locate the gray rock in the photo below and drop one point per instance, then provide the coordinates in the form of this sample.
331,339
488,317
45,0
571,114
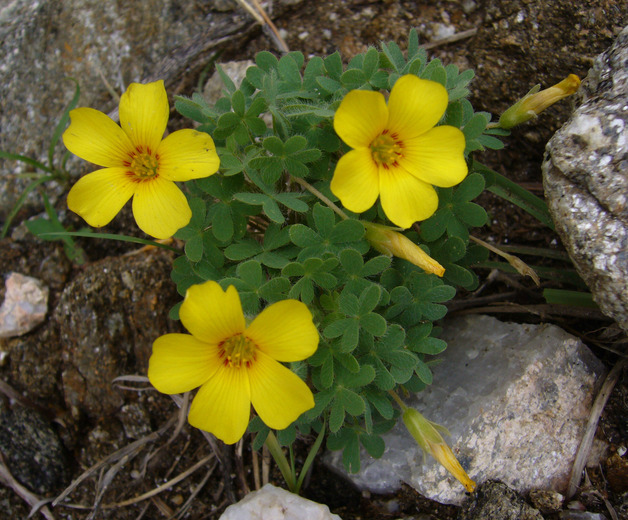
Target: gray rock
32,450
494,500
515,398
108,318
45,43
24,307
273,503
585,175
580,515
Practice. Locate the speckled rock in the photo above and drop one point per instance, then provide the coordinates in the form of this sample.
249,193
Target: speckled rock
32,450
44,43
24,307
108,318
586,181
516,399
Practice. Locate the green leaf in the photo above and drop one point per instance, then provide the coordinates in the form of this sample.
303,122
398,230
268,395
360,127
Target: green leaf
336,416
222,223
424,373
374,445
369,299
272,211
328,85
394,55
475,126
327,372
242,250
373,323
357,379
352,402
353,78
266,61
194,248
469,189
333,65
289,71
371,62
238,103
381,402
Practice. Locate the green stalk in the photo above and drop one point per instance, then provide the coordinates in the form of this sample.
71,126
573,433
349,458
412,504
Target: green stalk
310,458
282,462
318,194
109,236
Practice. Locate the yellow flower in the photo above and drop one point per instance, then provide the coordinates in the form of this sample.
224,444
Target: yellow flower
398,153
389,242
429,439
137,162
534,102
235,365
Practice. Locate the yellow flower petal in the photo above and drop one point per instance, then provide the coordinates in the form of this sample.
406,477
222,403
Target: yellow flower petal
361,117
93,136
222,406
211,314
436,157
415,105
181,362
100,195
144,114
285,331
187,154
356,181
160,207
406,199
278,395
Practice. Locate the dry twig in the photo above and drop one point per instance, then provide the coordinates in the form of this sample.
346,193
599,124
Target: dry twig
36,503
596,412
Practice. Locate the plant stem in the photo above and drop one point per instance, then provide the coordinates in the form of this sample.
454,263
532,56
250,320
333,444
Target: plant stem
322,197
398,400
282,462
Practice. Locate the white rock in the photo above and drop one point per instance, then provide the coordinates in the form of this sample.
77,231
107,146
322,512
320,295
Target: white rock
273,503
515,397
24,307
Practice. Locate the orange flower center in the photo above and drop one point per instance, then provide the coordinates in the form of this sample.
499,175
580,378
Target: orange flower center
238,350
386,149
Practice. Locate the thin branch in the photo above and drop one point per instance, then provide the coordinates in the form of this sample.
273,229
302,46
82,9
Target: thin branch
36,503
322,197
451,39
596,412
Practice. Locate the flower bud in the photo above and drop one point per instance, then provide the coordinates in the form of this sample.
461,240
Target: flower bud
426,434
389,242
534,102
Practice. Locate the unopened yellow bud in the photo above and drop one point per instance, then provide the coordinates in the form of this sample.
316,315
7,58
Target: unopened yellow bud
426,434
389,242
534,102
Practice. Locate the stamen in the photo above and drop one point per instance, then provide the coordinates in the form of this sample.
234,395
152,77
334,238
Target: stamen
237,351
386,149
144,166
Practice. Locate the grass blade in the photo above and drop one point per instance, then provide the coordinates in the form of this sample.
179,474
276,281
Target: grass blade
63,122
511,191
20,202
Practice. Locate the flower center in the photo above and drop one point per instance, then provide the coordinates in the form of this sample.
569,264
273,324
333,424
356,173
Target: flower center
238,350
144,165
386,149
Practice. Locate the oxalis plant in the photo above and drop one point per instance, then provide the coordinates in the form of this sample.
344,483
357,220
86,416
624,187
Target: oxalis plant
325,220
